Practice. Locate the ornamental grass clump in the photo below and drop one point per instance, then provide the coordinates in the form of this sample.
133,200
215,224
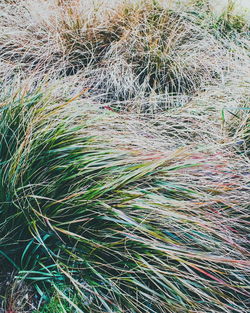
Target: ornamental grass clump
143,49
132,50
102,230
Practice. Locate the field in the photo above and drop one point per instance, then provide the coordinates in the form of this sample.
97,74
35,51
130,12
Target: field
124,153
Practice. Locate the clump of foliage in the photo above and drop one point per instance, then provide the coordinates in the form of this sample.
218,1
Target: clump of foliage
136,49
145,49
106,233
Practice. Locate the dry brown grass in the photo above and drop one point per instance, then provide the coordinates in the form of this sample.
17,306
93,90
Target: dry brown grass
130,51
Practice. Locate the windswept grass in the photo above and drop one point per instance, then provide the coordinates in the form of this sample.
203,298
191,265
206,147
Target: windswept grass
110,234
124,158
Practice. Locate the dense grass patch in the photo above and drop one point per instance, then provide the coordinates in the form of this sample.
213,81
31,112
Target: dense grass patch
105,209
107,234
135,50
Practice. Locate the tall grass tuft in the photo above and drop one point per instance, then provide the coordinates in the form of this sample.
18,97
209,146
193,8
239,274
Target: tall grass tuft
134,49
105,233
